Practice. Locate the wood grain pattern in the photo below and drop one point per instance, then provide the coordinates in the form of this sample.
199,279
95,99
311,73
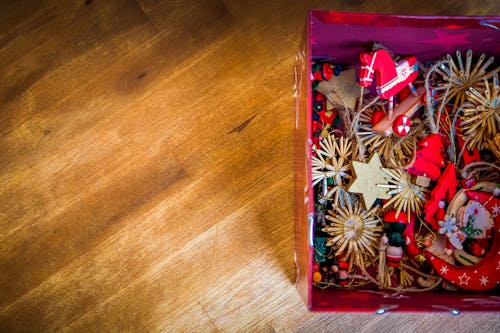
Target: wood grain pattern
146,170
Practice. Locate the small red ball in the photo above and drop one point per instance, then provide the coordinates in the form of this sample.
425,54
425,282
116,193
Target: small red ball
377,116
401,125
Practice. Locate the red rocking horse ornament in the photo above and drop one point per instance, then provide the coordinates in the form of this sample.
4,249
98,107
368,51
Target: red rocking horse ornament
391,79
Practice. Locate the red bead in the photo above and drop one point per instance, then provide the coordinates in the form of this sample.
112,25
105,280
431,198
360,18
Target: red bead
327,71
401,125
377,116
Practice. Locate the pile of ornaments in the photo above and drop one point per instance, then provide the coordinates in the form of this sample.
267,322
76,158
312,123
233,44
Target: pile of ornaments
405,172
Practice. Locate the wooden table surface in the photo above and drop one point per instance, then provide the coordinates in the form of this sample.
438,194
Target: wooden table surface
146,167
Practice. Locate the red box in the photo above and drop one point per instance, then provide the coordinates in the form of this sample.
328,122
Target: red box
342,36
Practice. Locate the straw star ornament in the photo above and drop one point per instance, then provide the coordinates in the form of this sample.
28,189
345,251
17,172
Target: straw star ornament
355,232
459,76
332,163
481,115
405,195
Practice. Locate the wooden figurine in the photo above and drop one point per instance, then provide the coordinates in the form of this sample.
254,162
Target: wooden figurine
394,226
341,271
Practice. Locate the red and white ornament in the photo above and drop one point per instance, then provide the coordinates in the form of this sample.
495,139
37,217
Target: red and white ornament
401,125
391,77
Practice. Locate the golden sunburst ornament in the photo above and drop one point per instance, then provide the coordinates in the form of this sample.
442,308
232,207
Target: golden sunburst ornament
355,232
406,196
392,149
481,115
459,77
372,141
333,161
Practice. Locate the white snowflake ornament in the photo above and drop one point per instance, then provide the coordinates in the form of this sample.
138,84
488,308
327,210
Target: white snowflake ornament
448,226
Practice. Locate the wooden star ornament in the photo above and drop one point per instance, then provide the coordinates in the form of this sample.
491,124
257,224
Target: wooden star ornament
368,177
342,90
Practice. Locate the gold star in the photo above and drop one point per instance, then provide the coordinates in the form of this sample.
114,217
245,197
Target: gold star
368,176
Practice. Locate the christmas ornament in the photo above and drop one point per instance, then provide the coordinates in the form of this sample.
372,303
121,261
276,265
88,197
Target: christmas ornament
456,78
391,77
484,275
355,232
332,162
341,90
394,225
401,125
405,195
429,157
443,193
407,108
369,177
481,114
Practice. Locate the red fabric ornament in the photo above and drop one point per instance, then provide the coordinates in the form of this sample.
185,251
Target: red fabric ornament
429,157
445,190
